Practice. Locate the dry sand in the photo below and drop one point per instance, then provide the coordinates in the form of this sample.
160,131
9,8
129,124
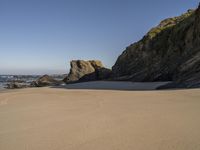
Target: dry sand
63,119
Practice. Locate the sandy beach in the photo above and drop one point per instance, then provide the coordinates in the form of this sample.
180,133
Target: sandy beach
80,119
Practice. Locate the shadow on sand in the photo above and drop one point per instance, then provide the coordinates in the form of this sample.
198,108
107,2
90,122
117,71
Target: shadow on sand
114,85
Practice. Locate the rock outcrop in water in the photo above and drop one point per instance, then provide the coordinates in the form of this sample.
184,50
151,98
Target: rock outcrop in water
45,81
16,85
168,52
87,71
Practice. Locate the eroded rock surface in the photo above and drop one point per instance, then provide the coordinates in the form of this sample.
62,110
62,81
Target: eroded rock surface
87,71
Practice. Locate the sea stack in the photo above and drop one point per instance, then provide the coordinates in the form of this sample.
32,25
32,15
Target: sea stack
87,71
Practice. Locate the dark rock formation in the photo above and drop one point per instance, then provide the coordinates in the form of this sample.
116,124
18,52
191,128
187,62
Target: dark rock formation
169,52
16,85
45,81
103,73
98,74
87,71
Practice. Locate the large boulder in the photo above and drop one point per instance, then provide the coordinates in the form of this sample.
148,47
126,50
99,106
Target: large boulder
87,71
168,52
45,81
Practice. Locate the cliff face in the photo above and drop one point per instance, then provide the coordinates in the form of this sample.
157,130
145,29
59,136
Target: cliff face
170,51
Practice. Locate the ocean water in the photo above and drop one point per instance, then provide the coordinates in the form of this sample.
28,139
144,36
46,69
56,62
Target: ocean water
2,86
5,79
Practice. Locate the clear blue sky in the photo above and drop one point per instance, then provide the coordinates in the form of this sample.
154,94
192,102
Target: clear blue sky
42,36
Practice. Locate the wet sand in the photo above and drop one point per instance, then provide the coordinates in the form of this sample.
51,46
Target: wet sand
74,119
113,85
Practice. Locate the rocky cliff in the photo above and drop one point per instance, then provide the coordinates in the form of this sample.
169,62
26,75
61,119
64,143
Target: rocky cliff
170,51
